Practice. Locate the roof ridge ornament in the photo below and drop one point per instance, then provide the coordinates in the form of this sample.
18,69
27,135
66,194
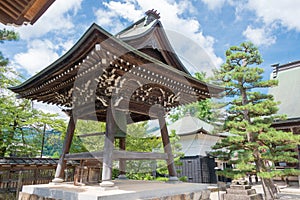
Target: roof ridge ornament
151,16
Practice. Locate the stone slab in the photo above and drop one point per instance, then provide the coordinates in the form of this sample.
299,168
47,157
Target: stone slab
241,192
240,187
242,197
127,189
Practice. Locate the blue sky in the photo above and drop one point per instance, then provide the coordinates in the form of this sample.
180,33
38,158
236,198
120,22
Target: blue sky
213,25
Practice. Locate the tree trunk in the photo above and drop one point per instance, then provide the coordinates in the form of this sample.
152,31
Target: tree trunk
268,185
269,188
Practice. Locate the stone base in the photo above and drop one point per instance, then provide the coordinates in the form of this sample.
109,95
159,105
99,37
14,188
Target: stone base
26,196
107,184
57,180
128,189
241,192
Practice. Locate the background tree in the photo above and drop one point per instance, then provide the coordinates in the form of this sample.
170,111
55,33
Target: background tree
8,35
22,128
138,140
92,143
251,114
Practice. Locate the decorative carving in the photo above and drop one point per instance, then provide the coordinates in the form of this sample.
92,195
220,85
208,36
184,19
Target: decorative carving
151,16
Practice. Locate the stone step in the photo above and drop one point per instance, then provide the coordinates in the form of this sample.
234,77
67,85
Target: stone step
241,192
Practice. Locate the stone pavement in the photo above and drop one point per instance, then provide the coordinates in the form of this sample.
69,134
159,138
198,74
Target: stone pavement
286,192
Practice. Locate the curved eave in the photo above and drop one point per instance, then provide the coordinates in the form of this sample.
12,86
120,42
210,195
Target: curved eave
57,65
83,46
157,31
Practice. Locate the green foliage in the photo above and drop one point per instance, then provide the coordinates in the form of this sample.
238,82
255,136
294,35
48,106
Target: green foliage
8,35
183,178
93,143
199,109
255,143
138,140
56,154
164,179
22,128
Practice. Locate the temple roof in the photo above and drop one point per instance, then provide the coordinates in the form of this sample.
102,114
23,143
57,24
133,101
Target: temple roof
101,69
19,12
148,35
188,125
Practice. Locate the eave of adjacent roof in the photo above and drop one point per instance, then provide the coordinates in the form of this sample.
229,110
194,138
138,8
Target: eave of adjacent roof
288,123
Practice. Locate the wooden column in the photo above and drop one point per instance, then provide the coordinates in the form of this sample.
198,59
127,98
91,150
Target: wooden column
121,122
59,173
167,148
122,162
108,148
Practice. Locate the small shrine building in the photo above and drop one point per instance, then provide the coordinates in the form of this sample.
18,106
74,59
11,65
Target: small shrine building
119,79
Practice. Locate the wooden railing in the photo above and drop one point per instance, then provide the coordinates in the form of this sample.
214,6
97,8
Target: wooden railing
16,172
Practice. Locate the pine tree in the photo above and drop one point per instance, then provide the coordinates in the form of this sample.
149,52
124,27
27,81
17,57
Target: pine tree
254,144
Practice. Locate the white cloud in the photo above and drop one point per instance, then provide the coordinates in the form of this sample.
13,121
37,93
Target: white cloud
214,4
259,36
55,18
40,54
126,10
170,13
285,12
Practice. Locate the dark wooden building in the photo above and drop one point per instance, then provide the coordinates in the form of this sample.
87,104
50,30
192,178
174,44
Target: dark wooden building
19,12
118,79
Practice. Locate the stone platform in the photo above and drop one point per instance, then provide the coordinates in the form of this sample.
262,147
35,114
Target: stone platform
124,189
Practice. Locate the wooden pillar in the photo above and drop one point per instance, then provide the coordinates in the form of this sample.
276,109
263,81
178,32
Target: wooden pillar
108,148
122,162
121,122
59,173
167,148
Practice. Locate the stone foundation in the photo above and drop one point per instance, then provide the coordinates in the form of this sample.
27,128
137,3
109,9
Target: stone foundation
188,196
129,190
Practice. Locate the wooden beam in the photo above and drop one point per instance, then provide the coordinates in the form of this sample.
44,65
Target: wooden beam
91,134
116,155
59,173
129,155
